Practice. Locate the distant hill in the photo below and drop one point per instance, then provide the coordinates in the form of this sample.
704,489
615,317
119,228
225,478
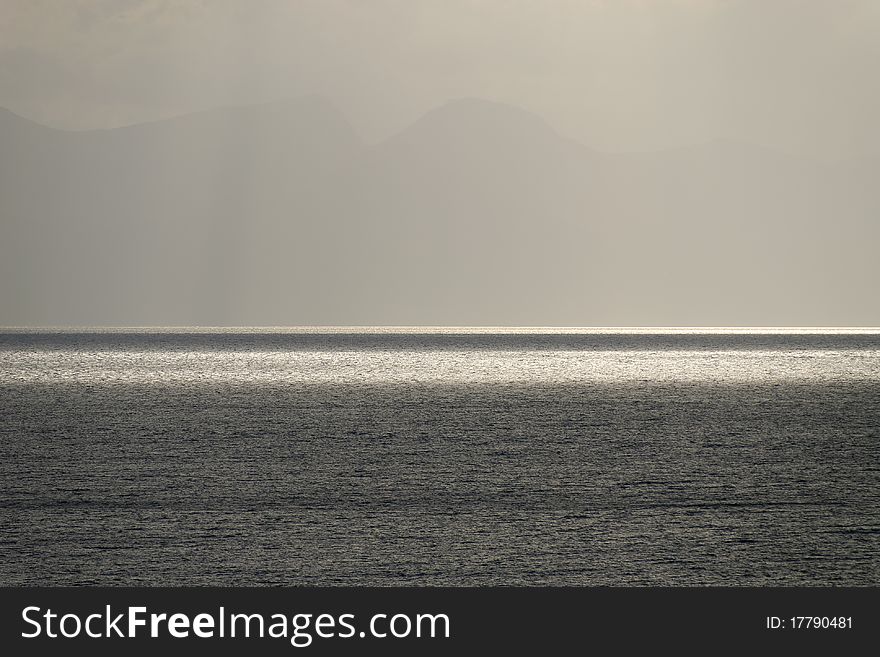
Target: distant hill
478,213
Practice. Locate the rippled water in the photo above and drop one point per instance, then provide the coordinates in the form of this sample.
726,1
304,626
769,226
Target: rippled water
440,457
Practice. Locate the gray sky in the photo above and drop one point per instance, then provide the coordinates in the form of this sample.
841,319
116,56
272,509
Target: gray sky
396,162
800,76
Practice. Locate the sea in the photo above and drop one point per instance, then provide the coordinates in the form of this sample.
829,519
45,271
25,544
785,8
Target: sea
454,456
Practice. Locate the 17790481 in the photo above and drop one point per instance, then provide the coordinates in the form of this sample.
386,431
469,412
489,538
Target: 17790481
810,623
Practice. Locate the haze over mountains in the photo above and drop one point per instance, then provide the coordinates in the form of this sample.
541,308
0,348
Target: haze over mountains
477,214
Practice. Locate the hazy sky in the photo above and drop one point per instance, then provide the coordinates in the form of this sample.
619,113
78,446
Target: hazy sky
617,75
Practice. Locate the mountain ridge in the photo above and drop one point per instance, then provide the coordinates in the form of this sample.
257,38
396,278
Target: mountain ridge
331,108
477,213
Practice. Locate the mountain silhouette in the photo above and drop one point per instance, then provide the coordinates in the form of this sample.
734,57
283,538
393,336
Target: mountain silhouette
477,213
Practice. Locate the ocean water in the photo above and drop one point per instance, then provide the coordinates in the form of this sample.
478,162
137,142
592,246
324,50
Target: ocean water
440,457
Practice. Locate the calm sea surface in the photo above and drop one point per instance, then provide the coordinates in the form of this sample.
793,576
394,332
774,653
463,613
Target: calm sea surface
439,457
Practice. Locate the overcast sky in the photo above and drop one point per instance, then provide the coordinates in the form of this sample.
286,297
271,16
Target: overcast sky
617,75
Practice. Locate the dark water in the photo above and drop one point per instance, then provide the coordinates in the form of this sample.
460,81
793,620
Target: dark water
449,457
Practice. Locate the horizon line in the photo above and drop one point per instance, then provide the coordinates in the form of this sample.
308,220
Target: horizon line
412,328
